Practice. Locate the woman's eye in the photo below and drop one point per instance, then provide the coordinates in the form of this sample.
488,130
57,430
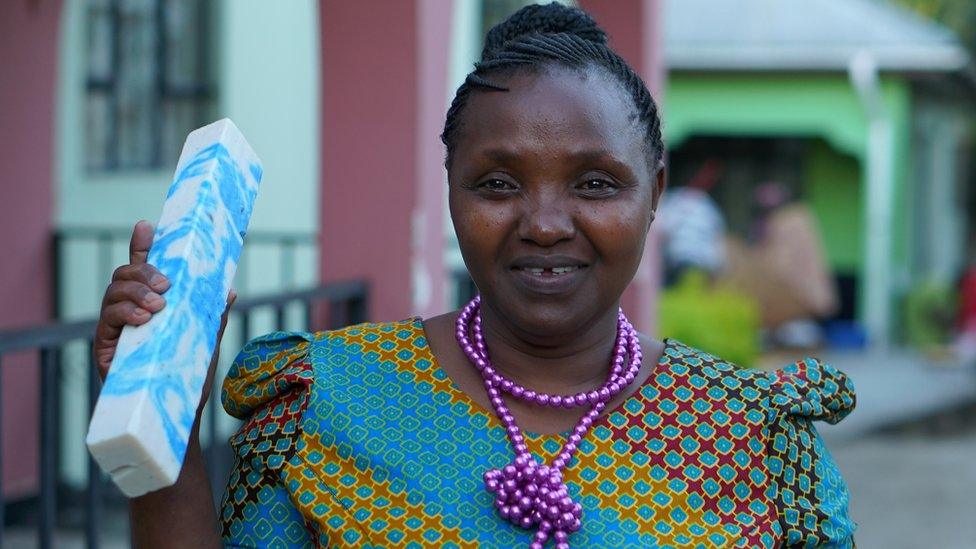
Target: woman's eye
597,187
496,185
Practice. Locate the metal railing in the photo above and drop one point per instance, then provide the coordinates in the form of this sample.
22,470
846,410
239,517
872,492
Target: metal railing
108,240
330,306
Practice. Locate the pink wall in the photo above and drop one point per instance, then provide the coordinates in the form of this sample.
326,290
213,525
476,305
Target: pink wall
28,50
382,90
634,28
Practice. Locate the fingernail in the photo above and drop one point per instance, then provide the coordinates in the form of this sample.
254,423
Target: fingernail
140,312
152,298
157,280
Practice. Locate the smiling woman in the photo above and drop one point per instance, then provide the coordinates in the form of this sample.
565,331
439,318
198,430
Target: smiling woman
537,413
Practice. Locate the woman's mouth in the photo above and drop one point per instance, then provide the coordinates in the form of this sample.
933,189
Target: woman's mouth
551,271
549,280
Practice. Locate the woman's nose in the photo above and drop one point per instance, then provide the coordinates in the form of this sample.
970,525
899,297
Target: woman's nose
546,222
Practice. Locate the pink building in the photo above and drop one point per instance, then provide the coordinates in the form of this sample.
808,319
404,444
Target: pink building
382,98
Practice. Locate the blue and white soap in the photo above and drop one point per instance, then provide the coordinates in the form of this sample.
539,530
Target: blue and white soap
141,424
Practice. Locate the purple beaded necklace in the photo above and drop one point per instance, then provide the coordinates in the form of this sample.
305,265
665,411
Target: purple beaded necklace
529,494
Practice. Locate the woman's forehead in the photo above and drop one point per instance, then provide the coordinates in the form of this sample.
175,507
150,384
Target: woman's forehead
558,108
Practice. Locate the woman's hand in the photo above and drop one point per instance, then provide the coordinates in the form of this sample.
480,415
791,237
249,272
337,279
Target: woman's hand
134,295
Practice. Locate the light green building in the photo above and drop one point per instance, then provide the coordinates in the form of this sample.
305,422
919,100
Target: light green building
859,107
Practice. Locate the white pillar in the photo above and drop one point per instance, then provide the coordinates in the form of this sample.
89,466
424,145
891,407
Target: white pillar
879,178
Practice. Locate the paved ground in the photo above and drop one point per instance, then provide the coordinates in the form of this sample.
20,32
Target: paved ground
908,451
912,491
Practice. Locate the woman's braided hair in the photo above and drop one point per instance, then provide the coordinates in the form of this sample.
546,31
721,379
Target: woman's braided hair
537,36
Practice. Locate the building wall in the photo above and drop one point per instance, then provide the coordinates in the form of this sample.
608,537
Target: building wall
28,47
267,78
833,189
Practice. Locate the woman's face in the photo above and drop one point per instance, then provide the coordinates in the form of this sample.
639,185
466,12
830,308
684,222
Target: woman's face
552,194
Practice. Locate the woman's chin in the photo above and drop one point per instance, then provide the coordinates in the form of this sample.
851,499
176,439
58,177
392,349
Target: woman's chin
551,319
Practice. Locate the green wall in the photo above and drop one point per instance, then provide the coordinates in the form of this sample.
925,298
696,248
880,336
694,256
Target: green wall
833,189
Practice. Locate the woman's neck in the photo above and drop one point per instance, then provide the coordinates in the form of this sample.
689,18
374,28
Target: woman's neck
560,364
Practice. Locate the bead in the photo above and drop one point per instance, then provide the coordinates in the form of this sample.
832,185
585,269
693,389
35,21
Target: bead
542,399
562,545
561,536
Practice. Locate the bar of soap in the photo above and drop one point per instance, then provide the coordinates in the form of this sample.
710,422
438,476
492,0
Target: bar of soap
141,423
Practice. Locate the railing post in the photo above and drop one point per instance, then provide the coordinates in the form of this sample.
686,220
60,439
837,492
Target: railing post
288,262
104,261
279,317
93,497
48,476
307,306
338,313
2,498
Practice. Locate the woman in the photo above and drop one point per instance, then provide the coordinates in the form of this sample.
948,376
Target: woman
536,415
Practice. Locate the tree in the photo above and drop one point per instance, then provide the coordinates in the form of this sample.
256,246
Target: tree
957,15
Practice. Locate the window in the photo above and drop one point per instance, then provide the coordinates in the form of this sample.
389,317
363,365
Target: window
148,80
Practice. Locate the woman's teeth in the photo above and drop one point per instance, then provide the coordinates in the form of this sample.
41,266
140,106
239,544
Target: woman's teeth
552,271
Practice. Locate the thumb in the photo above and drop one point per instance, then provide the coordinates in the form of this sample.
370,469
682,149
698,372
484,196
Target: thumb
231,298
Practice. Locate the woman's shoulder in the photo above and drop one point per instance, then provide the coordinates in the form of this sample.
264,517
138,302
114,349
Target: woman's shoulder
808,388
273,365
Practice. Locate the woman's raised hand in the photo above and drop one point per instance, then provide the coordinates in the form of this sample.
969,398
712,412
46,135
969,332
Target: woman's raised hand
134,295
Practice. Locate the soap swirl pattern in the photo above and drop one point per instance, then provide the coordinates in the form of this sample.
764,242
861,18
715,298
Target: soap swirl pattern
197,245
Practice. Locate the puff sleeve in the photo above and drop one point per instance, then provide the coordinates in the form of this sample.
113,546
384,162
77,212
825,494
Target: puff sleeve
810,494
267,387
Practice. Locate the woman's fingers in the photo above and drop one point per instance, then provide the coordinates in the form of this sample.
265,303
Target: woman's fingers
135,292
114,317
142,238
143,273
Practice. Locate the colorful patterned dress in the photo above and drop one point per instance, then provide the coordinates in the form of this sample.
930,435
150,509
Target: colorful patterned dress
356,438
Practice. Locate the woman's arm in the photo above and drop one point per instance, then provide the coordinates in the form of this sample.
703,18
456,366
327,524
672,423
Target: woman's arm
182,515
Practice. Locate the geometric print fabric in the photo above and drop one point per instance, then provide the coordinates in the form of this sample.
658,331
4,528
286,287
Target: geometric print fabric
356,438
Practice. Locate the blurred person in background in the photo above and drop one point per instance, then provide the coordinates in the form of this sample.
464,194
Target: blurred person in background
537,412
692,226
784,267
965,339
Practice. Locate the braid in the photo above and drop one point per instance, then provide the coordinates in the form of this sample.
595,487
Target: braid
544,35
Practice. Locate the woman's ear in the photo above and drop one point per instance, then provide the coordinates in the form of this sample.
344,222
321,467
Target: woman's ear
660,182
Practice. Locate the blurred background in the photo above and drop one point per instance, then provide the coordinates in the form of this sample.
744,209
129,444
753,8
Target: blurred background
822,201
